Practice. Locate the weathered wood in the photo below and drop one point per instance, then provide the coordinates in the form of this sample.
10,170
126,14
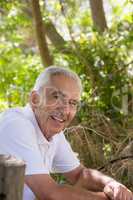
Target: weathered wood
11,178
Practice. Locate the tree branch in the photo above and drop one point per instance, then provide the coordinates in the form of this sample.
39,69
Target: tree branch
98,14
40,34
115,160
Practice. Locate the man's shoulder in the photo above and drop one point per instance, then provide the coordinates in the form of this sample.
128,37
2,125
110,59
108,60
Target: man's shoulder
15,117
14,124
11,113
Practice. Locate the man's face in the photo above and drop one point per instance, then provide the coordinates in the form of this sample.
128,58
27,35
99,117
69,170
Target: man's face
58,105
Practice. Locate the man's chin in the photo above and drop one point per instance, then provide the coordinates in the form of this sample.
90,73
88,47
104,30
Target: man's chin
57,131
55,128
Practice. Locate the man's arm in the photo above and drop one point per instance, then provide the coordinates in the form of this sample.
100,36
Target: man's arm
94,180
88,178
44,187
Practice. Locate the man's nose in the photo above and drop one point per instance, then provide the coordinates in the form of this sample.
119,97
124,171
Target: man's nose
65,106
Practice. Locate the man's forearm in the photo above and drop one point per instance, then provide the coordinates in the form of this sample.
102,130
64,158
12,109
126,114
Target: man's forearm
67,192
93,180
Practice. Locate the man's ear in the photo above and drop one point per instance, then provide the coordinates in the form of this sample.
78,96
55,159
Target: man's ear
34,99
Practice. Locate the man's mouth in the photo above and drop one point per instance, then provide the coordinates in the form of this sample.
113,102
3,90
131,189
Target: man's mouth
56,118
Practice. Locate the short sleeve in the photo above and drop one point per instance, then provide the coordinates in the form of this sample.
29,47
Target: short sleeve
18,138
65,159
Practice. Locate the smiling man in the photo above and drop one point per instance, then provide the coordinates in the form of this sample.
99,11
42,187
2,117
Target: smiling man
35,134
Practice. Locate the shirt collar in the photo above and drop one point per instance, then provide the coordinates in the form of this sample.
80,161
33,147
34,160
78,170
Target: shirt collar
31,116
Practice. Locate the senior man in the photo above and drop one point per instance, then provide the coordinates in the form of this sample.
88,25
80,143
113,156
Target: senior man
35,134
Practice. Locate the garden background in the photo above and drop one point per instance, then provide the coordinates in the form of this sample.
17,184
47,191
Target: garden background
95,39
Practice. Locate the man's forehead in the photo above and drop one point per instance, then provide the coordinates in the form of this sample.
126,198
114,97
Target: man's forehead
65,85
63,92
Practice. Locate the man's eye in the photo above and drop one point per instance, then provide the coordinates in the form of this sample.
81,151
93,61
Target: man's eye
74,103
55,96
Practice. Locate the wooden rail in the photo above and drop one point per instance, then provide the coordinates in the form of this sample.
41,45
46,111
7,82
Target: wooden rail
11,178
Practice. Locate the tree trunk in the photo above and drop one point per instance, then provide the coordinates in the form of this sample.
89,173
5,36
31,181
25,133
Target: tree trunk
40,34
56,39
50,30
98,14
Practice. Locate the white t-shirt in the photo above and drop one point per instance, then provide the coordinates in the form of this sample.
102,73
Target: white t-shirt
21,137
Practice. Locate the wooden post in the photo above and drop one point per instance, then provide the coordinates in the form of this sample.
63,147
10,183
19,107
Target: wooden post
11,178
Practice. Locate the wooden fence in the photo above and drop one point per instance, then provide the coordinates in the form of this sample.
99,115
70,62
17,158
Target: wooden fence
11,178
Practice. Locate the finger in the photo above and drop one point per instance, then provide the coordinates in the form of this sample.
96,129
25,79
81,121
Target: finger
117,193
109,192
125,194
128,194
131,195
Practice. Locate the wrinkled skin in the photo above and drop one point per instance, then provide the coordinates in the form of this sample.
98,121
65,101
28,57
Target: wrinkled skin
113,189
56,106
117,191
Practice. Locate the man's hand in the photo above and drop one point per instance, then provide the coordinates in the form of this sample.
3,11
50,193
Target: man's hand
116,191
103,186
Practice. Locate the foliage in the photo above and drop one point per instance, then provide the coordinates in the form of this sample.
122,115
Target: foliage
102,62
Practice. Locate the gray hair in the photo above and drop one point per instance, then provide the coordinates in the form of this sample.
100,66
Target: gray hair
45,76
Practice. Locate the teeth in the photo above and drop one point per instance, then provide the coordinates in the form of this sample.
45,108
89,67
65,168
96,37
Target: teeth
58,119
